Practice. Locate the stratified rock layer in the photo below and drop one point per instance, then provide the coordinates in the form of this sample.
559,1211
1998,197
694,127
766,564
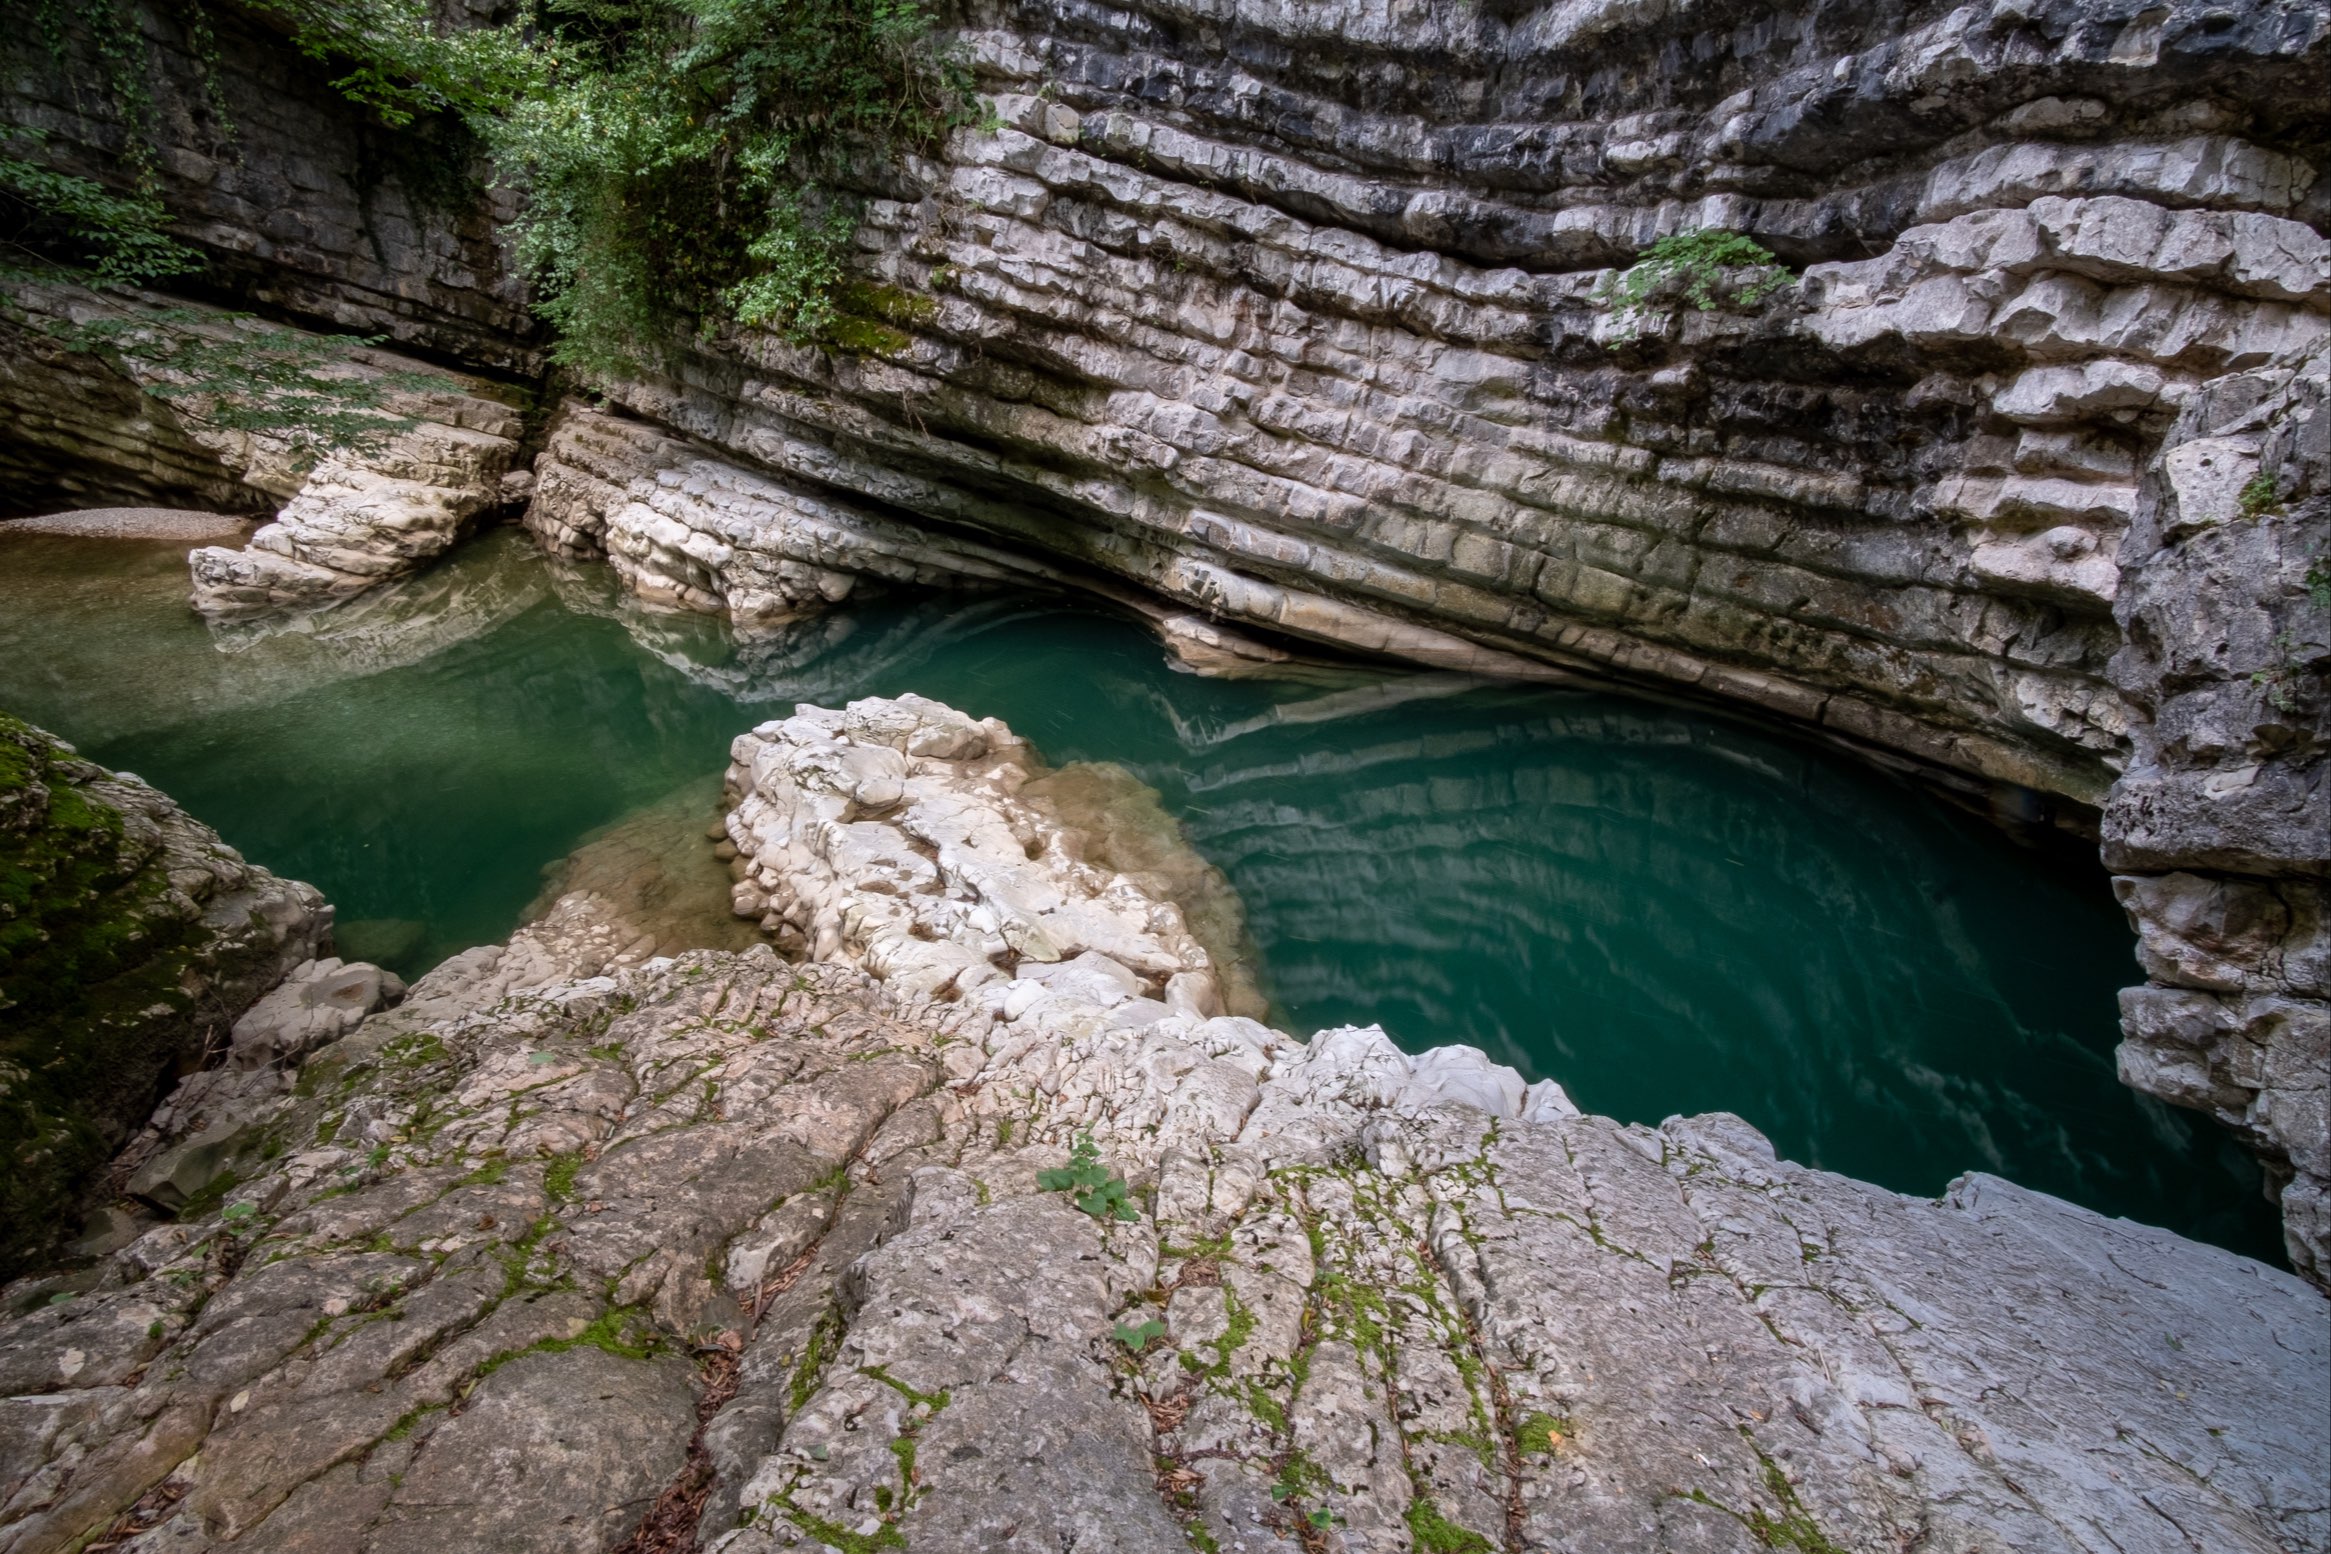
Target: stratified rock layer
769,1252
2219,834
303,204
1290,318
346,520
131,939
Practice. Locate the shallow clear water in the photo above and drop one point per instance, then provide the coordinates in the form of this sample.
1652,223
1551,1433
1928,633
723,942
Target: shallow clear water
1666,910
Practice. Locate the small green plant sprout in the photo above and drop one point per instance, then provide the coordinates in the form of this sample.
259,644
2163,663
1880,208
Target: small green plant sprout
1541,1433
239,1214
1707,268
1138,1336
1091,1185
1290,1485
2319,582
2259,497
2278,682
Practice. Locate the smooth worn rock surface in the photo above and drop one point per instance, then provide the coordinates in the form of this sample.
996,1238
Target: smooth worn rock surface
569,1234
132,940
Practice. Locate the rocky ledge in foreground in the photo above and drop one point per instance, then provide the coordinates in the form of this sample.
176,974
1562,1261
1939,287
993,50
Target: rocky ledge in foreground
131,938
575,1251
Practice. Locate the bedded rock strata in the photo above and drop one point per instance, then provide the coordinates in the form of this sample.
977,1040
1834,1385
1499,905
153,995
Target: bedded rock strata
1289,319
438,453
1323,358
572,1236
303,205
131,941
2218,834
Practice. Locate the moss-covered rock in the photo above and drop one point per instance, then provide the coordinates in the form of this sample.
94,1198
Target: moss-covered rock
130,938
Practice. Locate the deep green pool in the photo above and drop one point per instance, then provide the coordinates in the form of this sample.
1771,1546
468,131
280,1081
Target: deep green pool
1666,910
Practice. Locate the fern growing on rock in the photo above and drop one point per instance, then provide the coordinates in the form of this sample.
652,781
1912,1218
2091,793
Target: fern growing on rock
1703,268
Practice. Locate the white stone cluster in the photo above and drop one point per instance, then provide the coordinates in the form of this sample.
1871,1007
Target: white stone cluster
891,836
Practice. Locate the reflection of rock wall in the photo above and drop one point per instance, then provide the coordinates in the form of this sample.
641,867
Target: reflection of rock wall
2220,832
152,682
131,937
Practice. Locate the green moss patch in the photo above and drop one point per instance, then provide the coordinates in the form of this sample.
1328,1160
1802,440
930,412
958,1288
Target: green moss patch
93,1015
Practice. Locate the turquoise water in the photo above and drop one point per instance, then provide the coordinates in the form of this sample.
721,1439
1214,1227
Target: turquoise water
1667,910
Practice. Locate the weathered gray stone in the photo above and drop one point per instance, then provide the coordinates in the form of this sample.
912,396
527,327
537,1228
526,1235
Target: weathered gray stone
1399,1300
2217,832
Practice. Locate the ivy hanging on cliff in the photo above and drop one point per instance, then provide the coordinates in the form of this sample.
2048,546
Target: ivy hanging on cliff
678,158
678,162
50,219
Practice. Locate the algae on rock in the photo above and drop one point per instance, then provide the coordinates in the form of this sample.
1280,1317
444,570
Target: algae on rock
130,939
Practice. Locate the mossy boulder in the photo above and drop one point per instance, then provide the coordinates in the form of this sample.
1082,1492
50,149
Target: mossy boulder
131,937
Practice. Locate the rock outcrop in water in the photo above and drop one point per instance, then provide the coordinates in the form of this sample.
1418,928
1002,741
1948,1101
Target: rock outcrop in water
578,1251
348,520
131,940
1285,320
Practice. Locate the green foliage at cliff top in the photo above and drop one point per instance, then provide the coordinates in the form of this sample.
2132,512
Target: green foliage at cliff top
678,159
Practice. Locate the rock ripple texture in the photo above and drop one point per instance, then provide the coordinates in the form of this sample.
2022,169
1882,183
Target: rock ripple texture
569,1237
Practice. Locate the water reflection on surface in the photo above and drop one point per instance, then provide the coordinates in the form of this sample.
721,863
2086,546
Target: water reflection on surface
1665,910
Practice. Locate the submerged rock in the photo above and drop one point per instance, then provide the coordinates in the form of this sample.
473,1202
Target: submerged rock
782,1254
131,940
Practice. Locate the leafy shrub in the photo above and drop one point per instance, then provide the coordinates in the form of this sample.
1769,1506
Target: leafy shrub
678,157
118,239
1706,267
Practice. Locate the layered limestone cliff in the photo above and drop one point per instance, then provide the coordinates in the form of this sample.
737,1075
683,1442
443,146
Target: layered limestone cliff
131,939
580,1250
435,453
2219,833
1289,318
1282,323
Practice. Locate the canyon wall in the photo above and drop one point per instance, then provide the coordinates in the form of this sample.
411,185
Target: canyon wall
1284,324
1289,319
